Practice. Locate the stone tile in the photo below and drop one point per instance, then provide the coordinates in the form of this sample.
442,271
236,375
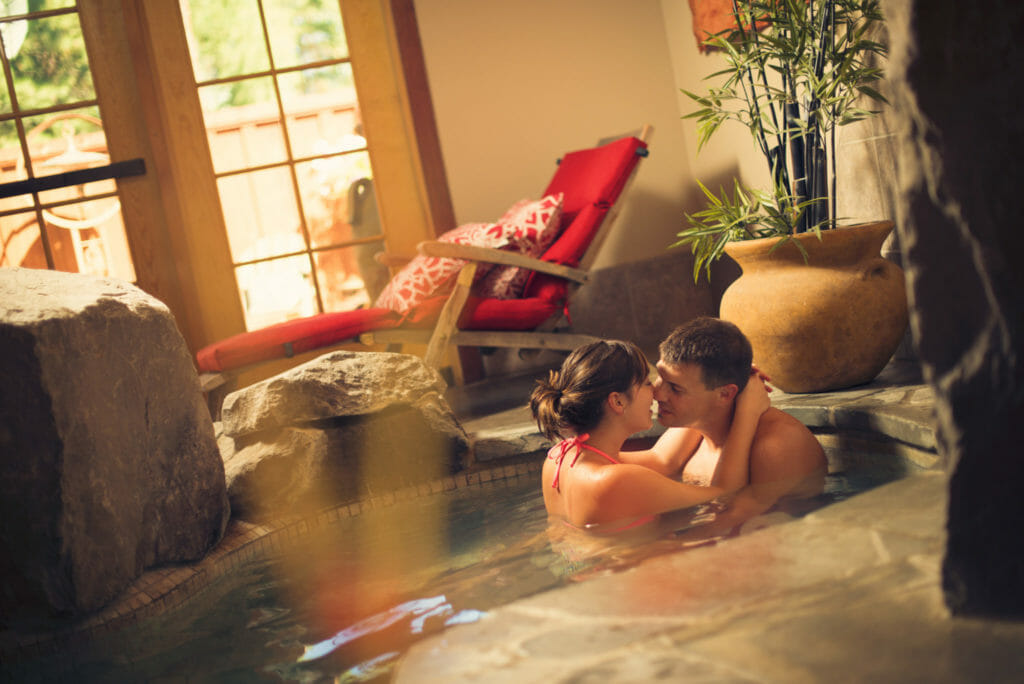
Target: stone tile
856,635
913,506
657,663
811,414
861,452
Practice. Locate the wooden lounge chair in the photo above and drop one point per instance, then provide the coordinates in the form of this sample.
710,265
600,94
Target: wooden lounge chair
589,181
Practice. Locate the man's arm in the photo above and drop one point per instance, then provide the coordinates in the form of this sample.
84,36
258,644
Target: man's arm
669,454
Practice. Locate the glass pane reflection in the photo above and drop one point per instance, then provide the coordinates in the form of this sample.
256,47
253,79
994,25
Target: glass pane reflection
321,110
261,214
20,244
337,198
349,278
304,35
244,136
12,159
276,291
11,8
225,38
89,237
44,76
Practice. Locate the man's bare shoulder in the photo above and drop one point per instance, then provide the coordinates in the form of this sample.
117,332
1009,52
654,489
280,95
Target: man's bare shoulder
777,424
784,445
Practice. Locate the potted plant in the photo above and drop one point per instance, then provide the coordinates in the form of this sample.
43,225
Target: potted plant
795,71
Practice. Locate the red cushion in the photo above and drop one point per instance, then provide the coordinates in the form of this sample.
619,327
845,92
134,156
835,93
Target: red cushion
489,313
425,275
596,175
292,337
540,223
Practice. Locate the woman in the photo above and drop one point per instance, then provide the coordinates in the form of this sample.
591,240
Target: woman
601,395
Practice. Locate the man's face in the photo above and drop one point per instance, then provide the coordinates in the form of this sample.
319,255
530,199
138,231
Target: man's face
683,400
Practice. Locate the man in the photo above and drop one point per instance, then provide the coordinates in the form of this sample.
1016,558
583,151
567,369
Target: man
704,365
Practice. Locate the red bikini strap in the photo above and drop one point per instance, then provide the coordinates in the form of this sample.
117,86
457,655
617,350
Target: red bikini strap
579,442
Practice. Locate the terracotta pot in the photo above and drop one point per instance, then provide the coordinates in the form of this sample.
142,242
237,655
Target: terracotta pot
833,321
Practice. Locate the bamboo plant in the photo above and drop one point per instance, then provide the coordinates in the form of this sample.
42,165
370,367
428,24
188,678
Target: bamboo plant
795,70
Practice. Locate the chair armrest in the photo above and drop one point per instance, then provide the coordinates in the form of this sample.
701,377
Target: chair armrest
436,248
389,259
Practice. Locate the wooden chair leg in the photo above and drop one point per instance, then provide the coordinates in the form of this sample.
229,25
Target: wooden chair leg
448,319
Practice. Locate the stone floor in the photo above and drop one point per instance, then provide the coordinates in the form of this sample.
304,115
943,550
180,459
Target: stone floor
849,593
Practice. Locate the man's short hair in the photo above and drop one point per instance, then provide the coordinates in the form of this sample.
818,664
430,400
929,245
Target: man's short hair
720,349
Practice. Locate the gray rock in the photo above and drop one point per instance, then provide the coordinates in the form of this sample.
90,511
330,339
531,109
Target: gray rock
300,470
108,462
276,475
342,383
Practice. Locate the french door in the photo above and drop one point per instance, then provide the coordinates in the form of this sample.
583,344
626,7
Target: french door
292,168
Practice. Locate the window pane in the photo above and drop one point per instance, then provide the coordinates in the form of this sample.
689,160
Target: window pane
261,214
243,136
12,160
13,35
16,202
68,141
337,198
91,238
51,67
304,32
225,38
350,278
20,244
10,8
275,291
319,105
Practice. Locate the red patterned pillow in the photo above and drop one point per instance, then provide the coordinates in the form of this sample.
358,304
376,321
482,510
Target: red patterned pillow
537,224
425,276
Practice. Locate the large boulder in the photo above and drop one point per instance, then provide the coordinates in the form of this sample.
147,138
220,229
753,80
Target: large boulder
108,462
341,383
344,426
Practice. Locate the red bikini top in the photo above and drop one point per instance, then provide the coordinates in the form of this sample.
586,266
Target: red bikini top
563,449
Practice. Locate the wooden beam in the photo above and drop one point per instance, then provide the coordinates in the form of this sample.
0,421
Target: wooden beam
182,169
414,204
435,248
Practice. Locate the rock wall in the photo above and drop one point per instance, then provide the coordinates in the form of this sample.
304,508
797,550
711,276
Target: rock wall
957,81
108,462
344,426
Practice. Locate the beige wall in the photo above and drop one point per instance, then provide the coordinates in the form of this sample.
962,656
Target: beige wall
515,84
866,165
731,151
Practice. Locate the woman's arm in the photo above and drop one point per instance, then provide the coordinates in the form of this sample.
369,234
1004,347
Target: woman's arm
629,491
733,469
669,454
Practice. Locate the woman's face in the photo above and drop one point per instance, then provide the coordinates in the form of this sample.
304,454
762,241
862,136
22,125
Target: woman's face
639,409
